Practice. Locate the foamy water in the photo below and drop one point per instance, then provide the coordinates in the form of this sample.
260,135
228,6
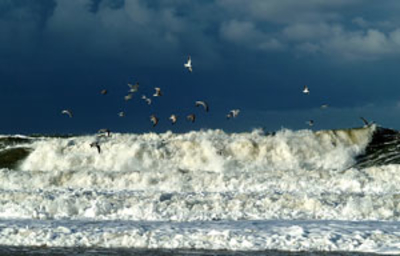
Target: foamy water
293,190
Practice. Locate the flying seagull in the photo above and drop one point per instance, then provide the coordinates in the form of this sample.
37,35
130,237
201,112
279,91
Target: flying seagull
173,118
96,144
67,112
154,120
104,92
188,64
202,103
158,92
233,113
105,131
191,118
366,122
306,90
133,88
128,97
148,100
121,114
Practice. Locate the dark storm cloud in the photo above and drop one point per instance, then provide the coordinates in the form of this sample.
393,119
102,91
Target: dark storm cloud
312,27
325,28
152,31
170,27
20,22
27,10
95,5
255,55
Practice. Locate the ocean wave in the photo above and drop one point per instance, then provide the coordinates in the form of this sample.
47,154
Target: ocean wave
212,150
288,182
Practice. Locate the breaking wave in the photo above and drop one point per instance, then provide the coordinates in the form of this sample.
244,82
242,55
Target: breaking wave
226,180
212,150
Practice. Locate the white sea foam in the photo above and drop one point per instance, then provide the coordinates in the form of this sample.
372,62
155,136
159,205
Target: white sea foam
378,237
203,190
211,150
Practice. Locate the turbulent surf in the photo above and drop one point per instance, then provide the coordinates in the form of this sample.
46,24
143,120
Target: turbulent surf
333,190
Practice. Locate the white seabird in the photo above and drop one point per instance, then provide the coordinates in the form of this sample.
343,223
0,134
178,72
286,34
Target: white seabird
104,92
128,97
188,64
121,114
324,106
202,103
158,92
67,112
173,118
191,117
306,90
148,100
310,122
133,88
233,113
154,120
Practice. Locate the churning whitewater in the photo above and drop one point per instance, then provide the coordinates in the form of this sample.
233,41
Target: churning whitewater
334,190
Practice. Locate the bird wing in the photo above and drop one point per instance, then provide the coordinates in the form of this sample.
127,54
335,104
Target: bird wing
364,120
202,103
67,112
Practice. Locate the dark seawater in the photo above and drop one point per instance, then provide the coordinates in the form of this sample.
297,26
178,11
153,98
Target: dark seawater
14,251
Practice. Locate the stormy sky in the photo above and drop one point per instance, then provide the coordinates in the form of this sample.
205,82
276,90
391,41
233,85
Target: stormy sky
254,55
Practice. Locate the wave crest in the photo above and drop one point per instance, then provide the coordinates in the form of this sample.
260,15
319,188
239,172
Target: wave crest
210,150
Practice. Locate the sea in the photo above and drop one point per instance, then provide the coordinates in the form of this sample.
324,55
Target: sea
207,192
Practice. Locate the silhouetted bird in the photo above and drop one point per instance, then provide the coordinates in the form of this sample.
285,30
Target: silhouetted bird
96,144
154,120
191,117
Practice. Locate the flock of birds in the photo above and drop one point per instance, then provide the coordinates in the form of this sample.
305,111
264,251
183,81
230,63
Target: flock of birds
133,88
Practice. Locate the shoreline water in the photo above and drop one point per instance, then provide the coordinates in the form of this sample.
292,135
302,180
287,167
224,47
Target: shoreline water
82,251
